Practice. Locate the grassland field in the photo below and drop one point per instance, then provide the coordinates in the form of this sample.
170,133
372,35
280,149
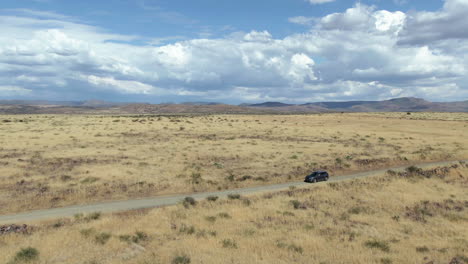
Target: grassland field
418,216
57,160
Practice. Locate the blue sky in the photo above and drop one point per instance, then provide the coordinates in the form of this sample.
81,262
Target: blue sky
201,18
233,51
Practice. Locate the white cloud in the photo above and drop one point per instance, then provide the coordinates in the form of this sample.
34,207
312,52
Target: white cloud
362,53
126,87
356,18
13,91
173,56
302,20
301,68
27,79
386,21
255,36
450,23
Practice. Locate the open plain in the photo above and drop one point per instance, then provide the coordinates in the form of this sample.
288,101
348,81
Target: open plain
415,216
56,160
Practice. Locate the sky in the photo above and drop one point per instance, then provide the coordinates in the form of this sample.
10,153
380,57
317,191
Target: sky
243,51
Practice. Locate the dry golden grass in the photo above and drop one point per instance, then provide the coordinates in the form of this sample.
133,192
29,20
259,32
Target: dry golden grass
383,219
56,160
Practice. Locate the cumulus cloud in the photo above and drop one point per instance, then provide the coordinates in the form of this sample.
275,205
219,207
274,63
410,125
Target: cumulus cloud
356,18
362,17
361,53
302,20
255,36
450,23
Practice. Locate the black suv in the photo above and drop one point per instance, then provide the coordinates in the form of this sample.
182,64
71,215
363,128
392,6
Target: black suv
317,176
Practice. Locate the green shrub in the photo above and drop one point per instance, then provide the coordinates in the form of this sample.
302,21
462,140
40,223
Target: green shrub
296,248
189,230
65,177
224,215
234,196
181,259
246,202
297,205
229,243
422,249
93,216
136,238
139,236
58,224
102,238
212,198
357,210
386,261
413,170
248,232
89,180
189,201
211,219
26,255
125,238
196,178
218,165
382,245
292,247
78,216
87,232
231,177
244,178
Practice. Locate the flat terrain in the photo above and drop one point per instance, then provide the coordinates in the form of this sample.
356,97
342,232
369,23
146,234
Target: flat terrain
51,161
152,202
416,216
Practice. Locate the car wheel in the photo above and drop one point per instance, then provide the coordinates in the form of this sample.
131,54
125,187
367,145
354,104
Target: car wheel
326,178
314,180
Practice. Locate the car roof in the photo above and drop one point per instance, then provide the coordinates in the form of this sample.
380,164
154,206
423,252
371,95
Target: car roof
320,171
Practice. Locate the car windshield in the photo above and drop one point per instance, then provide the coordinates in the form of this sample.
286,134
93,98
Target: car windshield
314,174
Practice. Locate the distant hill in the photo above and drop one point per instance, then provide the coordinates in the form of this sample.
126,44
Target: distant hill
88,103
201,103
405,104
39,102
270,104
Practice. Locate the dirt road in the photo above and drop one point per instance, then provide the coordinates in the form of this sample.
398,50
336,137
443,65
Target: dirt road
116,206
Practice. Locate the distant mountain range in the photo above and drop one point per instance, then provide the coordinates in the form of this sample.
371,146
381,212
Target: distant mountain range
89,103
405,104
